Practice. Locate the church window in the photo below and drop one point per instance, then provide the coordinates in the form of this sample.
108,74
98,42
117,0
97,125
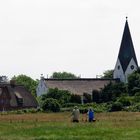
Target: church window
118,67
132,67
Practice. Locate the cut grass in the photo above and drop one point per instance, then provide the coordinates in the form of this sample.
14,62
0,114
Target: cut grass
57,126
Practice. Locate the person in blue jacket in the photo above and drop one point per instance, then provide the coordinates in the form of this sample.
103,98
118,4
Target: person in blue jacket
90,114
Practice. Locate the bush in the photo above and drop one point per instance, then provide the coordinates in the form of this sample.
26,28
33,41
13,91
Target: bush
96,96
136,107
51,104
133,108
137,97
87,98
71,104
103,107
62,96
75,98
116,106
125,100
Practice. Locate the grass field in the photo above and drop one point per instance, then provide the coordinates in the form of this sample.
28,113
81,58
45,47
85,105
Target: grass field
58,126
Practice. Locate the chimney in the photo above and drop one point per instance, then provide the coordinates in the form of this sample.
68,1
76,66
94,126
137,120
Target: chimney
12,83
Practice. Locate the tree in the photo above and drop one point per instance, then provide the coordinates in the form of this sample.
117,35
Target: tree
63,96
28,82
87,98
111,91
75,98
63,75
134,82
96,96
108,74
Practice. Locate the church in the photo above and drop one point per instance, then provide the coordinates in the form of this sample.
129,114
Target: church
125,65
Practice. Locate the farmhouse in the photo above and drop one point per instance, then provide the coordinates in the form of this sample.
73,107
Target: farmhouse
15,97
75,86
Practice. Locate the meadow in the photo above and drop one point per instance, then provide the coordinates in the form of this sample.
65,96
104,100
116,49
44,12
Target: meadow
58,126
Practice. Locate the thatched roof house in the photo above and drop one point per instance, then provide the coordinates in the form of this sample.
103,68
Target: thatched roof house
75,86
78,86
15,97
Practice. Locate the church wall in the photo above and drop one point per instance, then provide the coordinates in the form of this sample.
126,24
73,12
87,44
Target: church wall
131,68
118,72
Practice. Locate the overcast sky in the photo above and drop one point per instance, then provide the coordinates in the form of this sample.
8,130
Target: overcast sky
78,36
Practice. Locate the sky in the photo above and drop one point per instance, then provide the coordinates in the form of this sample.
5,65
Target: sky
78,36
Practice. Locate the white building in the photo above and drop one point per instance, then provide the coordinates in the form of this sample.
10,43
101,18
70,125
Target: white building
42,87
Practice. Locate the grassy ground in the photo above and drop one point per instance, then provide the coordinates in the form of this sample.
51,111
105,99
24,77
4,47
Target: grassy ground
58,126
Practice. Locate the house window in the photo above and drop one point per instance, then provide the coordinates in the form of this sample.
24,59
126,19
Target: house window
19,99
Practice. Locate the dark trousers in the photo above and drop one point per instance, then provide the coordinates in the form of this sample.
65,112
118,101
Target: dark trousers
76,121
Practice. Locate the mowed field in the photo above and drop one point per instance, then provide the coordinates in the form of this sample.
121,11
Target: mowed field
58,126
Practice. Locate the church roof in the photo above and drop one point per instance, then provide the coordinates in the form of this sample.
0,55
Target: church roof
126,52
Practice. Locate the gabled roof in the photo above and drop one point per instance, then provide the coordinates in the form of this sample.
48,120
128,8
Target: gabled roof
126,52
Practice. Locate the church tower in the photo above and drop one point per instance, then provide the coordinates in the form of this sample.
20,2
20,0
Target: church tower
127,61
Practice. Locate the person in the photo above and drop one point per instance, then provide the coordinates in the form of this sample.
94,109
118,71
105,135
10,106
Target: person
75,114
90,115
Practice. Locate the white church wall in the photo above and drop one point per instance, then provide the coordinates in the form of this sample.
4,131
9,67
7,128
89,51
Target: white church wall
118,72
131,68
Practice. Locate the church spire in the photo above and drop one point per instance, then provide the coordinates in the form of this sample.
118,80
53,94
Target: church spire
127,60
126,52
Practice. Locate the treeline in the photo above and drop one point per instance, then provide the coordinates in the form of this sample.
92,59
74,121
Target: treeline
113,97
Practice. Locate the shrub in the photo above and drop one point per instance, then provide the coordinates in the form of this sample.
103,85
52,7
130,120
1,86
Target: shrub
71,104
137,97
137,107
75,98
125,100
51,104
87,98
133,108
62,96
116,106
96,96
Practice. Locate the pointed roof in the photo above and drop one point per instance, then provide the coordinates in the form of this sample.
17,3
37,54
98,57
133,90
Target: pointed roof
126,52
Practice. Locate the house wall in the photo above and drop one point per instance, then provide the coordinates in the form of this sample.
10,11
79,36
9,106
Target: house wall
42,87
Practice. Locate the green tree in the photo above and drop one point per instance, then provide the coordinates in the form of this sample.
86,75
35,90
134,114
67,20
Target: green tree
63,75
134,82
87,98
63,96
28,82
108,74
96,96
75,98
111,91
